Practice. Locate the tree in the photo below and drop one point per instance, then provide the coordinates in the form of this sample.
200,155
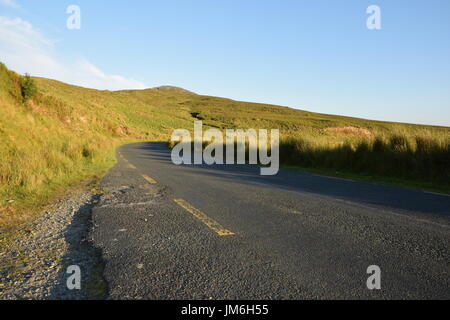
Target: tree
28,87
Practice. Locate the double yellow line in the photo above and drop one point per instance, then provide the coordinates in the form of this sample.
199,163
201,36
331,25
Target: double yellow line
212,224
149,179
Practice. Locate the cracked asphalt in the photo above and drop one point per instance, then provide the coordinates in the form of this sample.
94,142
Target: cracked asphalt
290,236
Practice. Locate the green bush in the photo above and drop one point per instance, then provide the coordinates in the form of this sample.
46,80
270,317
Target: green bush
28,87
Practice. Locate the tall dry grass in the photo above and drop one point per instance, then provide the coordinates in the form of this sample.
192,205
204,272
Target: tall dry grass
64,134
418,158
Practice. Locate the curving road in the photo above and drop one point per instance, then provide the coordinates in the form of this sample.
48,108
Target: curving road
225,232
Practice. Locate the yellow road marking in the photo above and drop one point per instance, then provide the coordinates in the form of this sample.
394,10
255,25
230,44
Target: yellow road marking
149,180
130,166
213,225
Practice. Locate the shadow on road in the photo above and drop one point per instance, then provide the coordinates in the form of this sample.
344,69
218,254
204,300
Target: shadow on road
80,252
347,190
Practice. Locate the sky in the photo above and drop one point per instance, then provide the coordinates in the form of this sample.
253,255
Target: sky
315,55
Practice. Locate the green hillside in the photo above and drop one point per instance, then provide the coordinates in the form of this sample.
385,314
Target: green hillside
67,134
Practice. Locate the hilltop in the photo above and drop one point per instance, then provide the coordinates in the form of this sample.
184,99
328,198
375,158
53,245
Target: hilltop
172,89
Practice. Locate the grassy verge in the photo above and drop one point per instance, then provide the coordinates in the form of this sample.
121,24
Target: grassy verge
416,160
29,205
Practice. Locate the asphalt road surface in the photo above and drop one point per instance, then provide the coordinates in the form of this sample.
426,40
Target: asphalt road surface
225,232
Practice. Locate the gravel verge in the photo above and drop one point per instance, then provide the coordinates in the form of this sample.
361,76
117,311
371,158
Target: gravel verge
35,260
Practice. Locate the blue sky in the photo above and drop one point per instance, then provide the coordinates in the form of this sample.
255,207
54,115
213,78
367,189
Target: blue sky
314,55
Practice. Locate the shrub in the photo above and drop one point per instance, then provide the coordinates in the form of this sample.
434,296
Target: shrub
28,87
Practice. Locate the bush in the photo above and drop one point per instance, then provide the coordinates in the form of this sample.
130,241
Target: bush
28,87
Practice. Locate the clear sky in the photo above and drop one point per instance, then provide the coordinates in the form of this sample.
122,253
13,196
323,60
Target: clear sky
316,55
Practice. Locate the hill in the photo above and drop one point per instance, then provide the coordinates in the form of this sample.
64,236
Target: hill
172,89
67,134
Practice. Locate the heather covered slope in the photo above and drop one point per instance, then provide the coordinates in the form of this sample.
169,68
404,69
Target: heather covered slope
66,134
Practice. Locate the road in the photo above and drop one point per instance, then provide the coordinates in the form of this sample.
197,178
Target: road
225,232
